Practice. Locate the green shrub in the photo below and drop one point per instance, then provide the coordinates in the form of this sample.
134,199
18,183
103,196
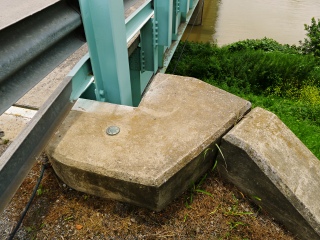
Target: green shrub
270,75
265,44
310,94
311,44
252,70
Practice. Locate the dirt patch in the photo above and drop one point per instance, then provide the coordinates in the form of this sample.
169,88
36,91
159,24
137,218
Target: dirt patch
212,209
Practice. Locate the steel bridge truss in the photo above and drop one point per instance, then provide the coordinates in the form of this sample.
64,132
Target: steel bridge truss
111,72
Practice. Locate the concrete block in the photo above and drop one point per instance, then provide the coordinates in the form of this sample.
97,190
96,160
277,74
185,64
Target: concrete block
159,150
268,162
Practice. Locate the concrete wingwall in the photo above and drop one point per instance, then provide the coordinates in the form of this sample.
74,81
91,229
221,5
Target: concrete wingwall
265,160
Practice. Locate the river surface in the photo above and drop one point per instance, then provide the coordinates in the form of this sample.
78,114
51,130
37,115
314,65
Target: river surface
227,21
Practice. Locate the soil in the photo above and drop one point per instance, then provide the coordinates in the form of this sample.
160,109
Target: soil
212,210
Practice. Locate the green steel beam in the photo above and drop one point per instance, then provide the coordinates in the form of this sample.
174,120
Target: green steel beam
82,77
170,51
191,3
149,46
105,30
138,19
163,15
135,76
118,78
176,20
184,9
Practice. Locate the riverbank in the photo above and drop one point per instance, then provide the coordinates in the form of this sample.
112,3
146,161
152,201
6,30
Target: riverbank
270,75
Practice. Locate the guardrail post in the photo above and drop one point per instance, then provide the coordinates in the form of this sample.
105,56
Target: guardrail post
105,30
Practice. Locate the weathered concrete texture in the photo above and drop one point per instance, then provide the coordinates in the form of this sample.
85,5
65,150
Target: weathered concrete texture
14,120
159,150
267,161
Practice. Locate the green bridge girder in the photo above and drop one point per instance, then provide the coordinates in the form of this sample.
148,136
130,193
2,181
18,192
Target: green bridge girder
157,26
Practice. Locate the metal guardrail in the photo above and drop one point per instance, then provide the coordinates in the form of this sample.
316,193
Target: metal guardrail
18,159
33,47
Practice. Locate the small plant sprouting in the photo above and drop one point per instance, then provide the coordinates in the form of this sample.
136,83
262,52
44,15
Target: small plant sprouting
215,210
85,196
219,149
196,189
234,225
256,197
205,155
231,213
234,211
185,217
204,192
206,152
69,218
40,191
201,182
215,165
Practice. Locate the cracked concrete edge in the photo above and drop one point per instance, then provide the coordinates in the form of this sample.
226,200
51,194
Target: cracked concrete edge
278,169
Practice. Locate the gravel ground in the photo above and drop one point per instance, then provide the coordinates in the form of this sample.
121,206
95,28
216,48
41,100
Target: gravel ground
217,211
6,221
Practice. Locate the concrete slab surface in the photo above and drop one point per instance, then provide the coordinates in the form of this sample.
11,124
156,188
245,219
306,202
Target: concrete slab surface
159,150
269,163
14,120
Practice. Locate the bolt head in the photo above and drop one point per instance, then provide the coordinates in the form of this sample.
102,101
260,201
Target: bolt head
112,130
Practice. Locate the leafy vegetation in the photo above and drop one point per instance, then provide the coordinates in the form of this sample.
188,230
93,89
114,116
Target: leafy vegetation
311,44
281,78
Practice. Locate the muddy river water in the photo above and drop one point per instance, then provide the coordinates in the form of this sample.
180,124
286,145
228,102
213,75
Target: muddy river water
227,21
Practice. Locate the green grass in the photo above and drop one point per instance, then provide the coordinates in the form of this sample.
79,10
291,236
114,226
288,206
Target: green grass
302,118
276,77
295,115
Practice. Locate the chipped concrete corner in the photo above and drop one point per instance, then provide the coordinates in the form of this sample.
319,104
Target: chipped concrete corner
272,166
